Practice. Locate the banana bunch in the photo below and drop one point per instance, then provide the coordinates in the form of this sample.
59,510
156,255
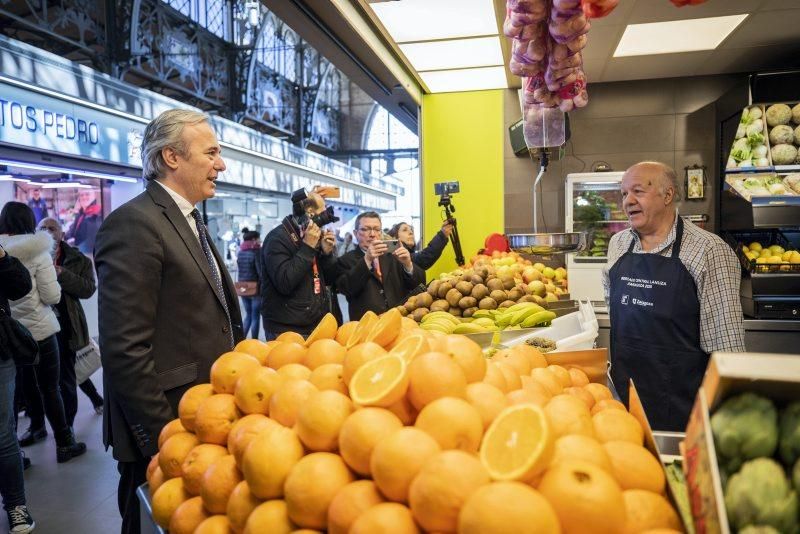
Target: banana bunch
520,315
440,321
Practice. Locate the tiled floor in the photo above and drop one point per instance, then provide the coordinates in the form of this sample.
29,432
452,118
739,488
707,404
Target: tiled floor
77,497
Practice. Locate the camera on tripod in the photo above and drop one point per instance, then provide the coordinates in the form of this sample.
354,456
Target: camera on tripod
444,190
301,202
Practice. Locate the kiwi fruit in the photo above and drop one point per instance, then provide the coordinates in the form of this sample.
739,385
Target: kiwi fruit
540,301
425,300
444,287
487,303
464,287
479,291
455,311
506,304
527,298
467,302
403,311
433,289
499,295
419,313
440,305
476,279
508,282
411,304
514,294
469,312
494,284
452,297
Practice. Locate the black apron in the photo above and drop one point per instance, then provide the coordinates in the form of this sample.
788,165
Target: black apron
655,334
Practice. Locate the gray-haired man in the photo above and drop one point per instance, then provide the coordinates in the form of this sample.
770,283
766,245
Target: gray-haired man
167,304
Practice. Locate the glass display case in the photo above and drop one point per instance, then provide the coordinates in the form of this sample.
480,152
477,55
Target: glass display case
593,206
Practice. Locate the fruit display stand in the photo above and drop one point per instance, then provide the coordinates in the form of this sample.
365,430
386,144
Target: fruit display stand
148,524
772,376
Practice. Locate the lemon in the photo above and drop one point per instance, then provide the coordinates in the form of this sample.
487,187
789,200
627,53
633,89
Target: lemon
755,245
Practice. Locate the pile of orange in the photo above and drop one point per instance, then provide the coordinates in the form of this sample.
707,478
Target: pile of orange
378,426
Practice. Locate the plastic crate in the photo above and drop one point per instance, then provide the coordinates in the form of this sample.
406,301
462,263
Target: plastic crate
772,237
574,331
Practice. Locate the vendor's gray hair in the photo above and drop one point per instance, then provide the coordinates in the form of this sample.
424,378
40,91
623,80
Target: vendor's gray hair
669,178
166,131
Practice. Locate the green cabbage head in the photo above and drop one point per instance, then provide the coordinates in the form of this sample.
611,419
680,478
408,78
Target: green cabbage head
744,427
760,494
789,444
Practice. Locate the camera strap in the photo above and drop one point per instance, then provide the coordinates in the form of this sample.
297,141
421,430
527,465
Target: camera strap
297,242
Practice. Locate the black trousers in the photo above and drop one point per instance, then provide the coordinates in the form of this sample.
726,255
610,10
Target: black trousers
42,392
131,476
69,390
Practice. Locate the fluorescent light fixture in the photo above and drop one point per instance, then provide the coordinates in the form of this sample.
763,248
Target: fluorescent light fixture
61,185
65,170
449,81
425,20
676,36
454,54
10,178
263,199
221,195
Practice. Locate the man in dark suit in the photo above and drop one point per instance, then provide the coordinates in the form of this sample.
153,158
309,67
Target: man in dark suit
372,279
167,304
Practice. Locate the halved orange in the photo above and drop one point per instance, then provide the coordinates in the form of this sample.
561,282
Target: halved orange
518,444
326,329
362,330
411,346
380,382
386,329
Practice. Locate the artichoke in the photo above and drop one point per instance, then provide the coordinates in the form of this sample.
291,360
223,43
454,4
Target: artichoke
744,427
760,494
789,444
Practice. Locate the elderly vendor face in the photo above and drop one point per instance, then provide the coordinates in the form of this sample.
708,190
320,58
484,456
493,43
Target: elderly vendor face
647,195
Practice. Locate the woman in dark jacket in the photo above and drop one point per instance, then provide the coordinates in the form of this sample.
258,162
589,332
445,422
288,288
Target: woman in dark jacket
249,267
426,257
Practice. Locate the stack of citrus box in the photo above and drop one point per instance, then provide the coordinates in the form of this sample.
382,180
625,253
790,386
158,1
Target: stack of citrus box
380,426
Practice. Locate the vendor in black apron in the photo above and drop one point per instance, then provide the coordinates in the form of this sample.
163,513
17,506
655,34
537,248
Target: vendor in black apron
653,298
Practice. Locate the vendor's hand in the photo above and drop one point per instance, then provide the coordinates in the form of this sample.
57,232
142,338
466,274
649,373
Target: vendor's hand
404,257
447,229
312,235
374,251
328,241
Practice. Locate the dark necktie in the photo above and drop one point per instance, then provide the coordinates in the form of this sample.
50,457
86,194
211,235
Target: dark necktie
202,232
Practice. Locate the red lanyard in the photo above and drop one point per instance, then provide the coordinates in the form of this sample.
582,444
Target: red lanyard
317,281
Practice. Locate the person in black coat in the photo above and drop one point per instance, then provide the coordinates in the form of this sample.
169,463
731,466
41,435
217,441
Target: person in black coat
372,279
297,261
426,257
15,283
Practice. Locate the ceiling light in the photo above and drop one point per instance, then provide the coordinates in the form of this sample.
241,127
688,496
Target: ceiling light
424,20
448,81
10,178
65,170
676,36
263,199
454,54
222,195
61,185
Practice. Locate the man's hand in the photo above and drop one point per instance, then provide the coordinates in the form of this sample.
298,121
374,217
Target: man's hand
374,251
404,257
312,235
447,228
328,241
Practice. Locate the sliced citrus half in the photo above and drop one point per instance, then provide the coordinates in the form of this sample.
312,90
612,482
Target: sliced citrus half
411,346
386,329
326,329
362,329
380,382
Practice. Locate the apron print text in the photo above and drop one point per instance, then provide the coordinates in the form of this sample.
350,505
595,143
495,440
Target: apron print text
635,301
639,282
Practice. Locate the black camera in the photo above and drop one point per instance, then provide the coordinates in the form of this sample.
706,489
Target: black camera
300,204
446,188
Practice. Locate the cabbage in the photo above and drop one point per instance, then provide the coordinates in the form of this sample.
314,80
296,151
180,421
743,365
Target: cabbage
745,163
781,134
755,127
783,154
731,163
755,139
796,114
760,151
745,117
778,114
762,162
745,426
755,112
760,494
789,443
776,189
741,131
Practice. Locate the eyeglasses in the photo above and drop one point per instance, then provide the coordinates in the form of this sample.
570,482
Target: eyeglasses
370,230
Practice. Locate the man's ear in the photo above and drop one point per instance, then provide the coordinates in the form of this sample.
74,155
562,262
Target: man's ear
170,156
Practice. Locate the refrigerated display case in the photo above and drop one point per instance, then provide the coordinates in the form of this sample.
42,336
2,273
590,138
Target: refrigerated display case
593,206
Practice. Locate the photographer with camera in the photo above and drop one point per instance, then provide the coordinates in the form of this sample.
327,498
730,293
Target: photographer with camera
429,255
379,274
297,260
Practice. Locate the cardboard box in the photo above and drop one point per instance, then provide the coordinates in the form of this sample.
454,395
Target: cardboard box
776,376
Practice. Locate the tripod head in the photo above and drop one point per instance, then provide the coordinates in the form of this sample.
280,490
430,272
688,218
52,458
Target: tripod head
445,190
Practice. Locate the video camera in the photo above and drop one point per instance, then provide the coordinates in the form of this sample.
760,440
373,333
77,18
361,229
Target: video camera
444,190
302,218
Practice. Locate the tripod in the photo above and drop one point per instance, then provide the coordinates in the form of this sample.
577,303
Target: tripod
449,209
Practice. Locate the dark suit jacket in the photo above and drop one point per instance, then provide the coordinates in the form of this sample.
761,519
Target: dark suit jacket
161,322
363,288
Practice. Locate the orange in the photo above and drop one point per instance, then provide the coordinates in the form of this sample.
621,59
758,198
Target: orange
548,380
216,524
215,417
518,445
196,463
255,389
505,507
380,382
608,404
534,356
345,331
386,329
174,452
578,377
329,376
529,383
434,375
187,407
166,500
320,418
155,480
171,428
228,368
468,355
361,431
510,373
187,516
407,323
324,351
582,394
244,430
616,425
349,503
569,415
442,486
240,505
311,486
255,348
287,399
218,483
362,330
387,517
295,370
411,346
488,400
291,337
268,459
526,396
454,424
635,467
586,498
436,340
561,374
648,510
495,377
582,448
398,458
285,353
357,356
404,410
272,517
516,360
326,329
598,391
151,466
